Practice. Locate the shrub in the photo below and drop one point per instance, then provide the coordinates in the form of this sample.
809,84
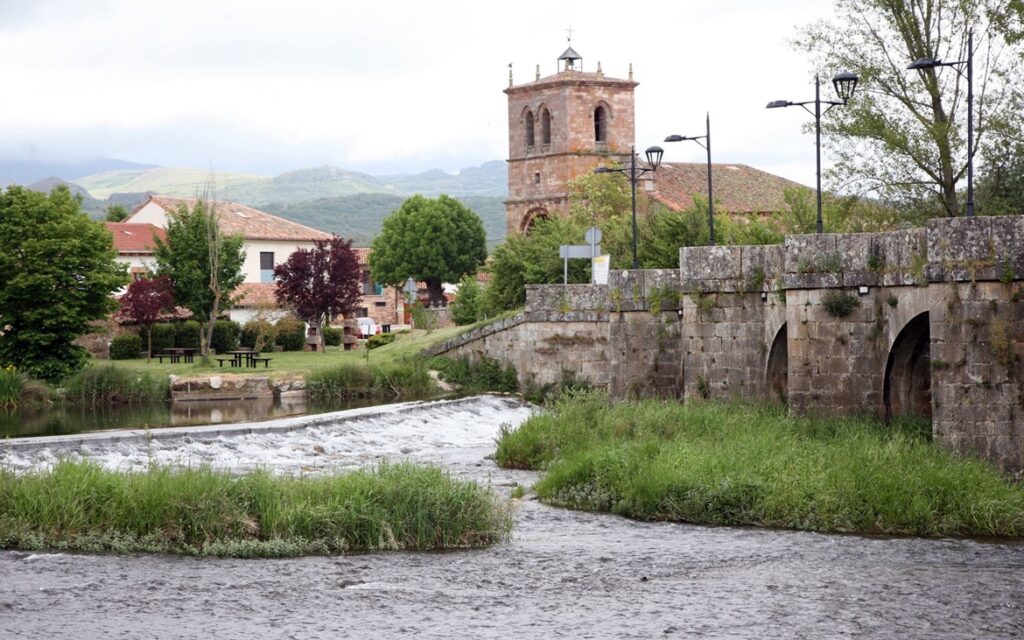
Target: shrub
466,306
839,304
349,381
380,340
483,374
225,335
291,333
258,334
125,347
332,336
163,336
110,384
186,335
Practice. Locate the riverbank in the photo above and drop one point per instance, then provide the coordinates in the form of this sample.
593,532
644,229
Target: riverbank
739,464
80,506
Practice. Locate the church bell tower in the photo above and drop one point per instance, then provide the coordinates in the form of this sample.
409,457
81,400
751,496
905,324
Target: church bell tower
560,127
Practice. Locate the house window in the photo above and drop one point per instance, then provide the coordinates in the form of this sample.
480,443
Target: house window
529,128
266,266
536,178
380,304
545,127
138,273
600,124
371,288
363,313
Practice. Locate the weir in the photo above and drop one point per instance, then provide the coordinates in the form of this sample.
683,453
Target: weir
927,321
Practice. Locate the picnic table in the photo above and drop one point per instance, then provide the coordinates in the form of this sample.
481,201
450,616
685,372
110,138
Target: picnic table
244,358
177,354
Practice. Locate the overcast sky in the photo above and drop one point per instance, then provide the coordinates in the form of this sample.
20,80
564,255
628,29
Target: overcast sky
385,86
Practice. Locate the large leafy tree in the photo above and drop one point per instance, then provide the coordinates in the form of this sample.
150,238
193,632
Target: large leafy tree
903,135
434,241
57,274
320,283
144,302
204,265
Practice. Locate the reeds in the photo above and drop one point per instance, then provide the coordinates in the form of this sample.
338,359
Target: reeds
11,383
350,381
198,511
110,384
740,464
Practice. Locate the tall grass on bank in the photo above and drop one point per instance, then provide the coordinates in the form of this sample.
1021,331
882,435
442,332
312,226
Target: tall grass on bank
110,384
11,383
350,381
81,506
476,376
738,464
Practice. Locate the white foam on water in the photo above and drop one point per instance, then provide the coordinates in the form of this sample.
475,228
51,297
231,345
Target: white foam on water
430,433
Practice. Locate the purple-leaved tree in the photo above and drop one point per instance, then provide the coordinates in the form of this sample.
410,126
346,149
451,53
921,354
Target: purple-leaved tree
143,303
320,283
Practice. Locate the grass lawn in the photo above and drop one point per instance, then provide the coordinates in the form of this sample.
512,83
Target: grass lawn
289,363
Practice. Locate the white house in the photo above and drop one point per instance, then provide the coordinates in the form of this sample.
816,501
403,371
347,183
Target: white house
134,244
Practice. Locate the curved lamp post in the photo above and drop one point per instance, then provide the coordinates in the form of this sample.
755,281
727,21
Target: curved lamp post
633,173
845,84
923,64
707,146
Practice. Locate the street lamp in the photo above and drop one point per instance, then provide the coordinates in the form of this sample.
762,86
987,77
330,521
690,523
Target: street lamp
845,84
923,64
707,145
633,174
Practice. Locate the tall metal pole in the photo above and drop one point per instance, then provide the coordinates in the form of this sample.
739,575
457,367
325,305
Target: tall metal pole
970,122
632,183
711,197
817,142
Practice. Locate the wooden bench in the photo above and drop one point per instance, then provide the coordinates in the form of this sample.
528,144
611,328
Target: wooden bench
265,361
174,357
221,361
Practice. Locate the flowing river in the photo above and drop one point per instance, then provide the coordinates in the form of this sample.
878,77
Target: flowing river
564,574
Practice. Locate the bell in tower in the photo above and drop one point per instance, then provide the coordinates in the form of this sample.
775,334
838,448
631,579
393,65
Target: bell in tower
570,56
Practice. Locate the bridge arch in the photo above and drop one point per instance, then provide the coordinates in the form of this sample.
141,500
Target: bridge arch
908,375
777,367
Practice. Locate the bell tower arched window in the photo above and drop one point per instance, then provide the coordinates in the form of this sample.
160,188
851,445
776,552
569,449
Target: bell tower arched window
529,128
545,126
600,124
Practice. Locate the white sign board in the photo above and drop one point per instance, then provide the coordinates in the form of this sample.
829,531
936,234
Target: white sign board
600,268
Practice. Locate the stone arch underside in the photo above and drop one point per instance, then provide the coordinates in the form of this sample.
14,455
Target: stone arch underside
908,376
531,218
777,369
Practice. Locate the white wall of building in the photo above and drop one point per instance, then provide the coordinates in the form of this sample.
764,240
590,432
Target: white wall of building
281,250
152,213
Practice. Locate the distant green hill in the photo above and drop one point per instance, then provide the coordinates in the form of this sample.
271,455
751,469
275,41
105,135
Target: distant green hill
360,216
489,179
303,184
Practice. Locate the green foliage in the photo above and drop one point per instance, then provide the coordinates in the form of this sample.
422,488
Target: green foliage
839,304
186,335
197,511
109,384
333,336
430,240
258,334
196,255
736,464
905,137
291,333
380,340
479,375
57,274
163,336
225,335
423,318
12,382
466,308
350,381
1000,189
125,347
116,213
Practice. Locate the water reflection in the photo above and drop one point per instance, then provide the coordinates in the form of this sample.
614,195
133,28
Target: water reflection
61,419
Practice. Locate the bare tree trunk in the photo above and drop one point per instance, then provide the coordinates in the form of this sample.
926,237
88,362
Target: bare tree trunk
149,351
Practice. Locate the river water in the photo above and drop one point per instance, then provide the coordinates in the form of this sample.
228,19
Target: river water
563,575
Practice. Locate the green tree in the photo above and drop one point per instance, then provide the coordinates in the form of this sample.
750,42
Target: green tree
204,266
116,213
434,241
57,274
466,308
903,136
1001,185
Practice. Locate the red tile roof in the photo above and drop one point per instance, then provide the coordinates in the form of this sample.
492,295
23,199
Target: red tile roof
251,224
254,294
363,254
134,237
737,187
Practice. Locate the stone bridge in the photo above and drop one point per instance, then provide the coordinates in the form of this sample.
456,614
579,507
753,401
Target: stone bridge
925,321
